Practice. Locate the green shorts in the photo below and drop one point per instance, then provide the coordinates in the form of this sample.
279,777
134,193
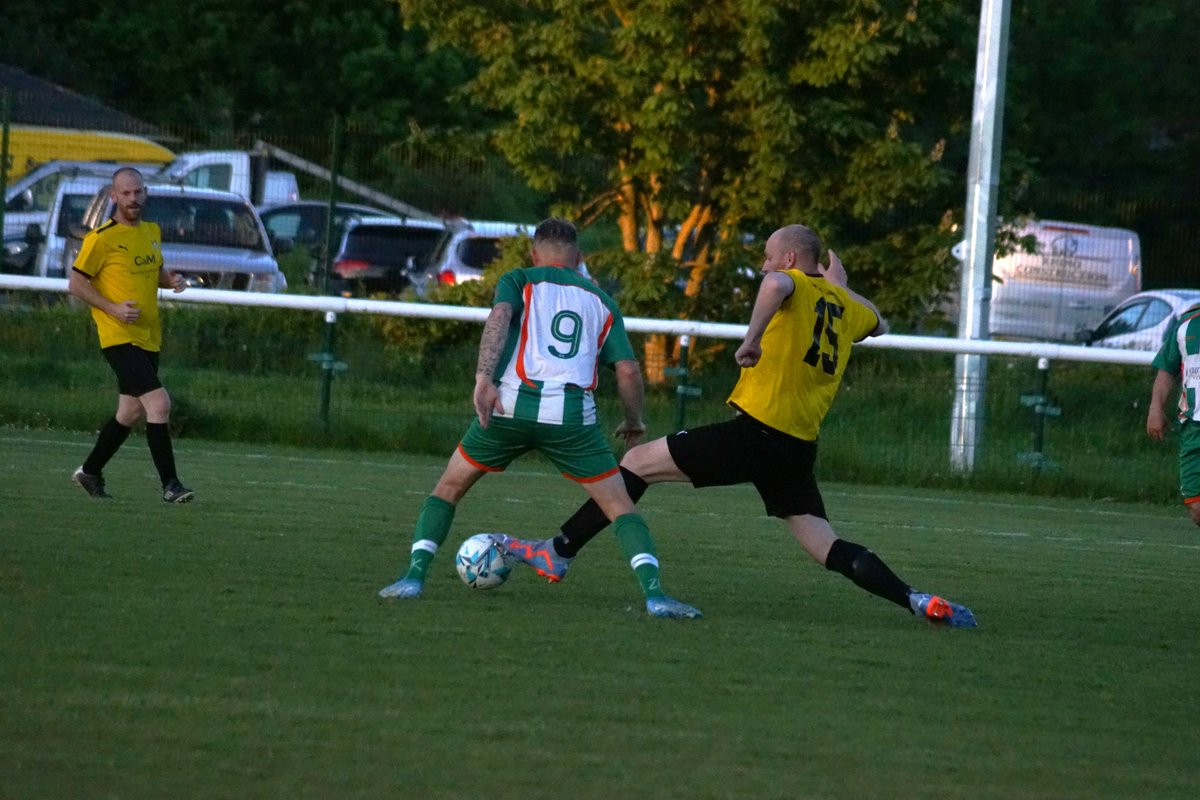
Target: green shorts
1189,462
579,451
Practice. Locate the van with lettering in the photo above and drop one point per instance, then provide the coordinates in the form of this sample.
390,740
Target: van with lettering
1062,289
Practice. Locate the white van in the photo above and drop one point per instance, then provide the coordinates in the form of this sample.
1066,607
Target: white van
70,203
1061,292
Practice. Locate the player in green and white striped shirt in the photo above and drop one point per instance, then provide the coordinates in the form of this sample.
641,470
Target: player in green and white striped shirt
1178,360
549,331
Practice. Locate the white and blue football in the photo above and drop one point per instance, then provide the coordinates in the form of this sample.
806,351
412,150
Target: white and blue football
481,563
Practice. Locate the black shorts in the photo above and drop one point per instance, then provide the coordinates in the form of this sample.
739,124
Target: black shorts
136,369
744,450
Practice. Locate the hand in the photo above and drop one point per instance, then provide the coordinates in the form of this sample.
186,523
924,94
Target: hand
487,400
748,354
835,273
630,432
127,312
1156,424
176,282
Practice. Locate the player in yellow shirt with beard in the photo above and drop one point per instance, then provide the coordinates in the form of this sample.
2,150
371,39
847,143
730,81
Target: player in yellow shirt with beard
797,345
118,272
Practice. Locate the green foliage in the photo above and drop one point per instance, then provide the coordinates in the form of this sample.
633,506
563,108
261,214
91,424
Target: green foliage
643,283
238,66
597,99
850,115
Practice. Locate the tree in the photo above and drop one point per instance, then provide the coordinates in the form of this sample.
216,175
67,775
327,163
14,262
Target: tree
694,125
1104,103
232,66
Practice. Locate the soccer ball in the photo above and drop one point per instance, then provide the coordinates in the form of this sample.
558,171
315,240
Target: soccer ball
481,563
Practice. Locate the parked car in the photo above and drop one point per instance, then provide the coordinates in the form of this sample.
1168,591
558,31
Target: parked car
303,224
214,239
1141,321
472,246
304,221
385,254
30,198
21,251
48,253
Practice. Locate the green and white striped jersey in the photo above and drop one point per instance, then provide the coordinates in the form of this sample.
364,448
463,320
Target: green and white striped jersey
563,328
1180,356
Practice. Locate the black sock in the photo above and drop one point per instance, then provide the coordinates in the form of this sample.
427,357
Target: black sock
589,520
158,436
867,571
111,437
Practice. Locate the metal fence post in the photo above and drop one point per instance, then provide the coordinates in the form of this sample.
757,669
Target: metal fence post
335,167
1042,405
682,390
330,366
5,113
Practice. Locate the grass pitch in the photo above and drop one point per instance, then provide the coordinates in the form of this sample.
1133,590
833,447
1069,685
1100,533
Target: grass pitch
235,647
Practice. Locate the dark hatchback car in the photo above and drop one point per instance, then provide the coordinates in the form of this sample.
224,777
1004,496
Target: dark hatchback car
385,255
304,221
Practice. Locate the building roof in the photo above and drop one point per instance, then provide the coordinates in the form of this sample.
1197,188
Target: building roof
34,101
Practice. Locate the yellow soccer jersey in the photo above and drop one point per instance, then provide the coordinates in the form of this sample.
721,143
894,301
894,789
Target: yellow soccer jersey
123,263
805,349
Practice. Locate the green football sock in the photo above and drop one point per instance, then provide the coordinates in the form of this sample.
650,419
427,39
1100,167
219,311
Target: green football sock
634,538
433,525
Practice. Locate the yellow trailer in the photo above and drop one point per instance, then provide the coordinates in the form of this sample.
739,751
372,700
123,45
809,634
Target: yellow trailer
30,145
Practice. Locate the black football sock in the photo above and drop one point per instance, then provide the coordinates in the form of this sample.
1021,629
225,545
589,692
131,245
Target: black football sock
867,571
111,437
158,437
589,520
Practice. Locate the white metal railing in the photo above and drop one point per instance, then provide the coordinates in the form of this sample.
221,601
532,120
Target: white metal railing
679,327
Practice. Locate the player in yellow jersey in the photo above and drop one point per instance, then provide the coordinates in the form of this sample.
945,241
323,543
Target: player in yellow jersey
118,273
801,331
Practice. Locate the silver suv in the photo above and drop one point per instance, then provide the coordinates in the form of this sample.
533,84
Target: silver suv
215,239
473,245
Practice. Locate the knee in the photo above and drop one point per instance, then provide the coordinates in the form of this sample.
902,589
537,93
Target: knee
631,458
157,406
1194,512
129,413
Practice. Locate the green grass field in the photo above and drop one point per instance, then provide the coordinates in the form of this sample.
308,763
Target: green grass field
235,647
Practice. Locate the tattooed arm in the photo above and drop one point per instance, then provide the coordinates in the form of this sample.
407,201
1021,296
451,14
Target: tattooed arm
495,331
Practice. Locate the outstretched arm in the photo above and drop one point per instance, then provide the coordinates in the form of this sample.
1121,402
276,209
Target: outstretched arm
491,343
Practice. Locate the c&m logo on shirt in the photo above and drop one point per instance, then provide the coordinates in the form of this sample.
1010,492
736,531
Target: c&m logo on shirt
146,261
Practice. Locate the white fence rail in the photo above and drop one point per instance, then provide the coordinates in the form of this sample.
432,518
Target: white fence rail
711,330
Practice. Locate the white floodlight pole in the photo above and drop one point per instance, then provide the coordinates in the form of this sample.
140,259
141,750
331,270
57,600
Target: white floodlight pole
987,121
